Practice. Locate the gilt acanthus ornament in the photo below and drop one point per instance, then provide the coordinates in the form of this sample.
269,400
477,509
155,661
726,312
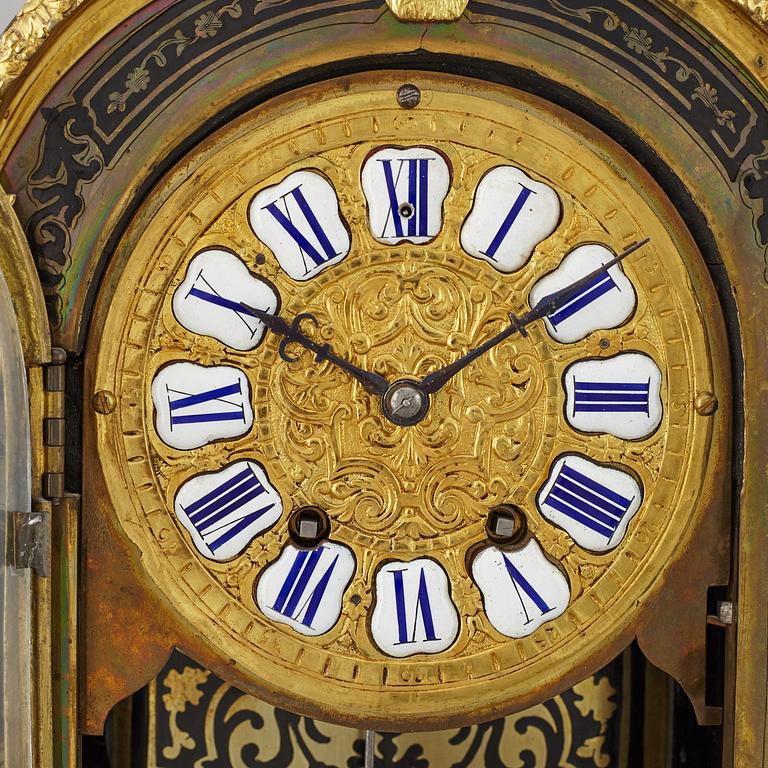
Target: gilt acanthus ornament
27,33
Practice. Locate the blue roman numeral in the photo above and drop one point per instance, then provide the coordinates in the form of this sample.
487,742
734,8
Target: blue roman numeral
320,253
212,296
187,401
594,289
294,599
423,610
417,170
611,396
520,582
587,502
509,220
224,512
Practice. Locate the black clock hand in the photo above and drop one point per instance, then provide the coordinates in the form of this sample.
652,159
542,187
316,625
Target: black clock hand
372,382
432,382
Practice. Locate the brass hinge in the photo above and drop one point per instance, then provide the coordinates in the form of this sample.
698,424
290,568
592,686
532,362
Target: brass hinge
53,425
32,530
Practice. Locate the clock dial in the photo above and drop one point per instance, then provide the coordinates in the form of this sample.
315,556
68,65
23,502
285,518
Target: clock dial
420,555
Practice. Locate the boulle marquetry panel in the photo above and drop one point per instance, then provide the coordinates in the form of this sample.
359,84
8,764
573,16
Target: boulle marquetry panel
189,716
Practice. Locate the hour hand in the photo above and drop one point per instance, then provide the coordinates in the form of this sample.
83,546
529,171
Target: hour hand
291,332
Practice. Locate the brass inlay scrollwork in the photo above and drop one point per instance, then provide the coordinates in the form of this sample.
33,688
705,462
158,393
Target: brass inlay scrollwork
139,78
640,42
581,728
594,699
183,688
37,19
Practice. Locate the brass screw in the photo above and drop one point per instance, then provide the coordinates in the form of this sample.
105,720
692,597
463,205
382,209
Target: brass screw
705,403
408,96
104,401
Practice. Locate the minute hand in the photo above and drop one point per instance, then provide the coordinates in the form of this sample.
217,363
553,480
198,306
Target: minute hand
434,381
372,382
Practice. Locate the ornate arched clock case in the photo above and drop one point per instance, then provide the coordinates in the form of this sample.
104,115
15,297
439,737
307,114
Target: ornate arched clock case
398,186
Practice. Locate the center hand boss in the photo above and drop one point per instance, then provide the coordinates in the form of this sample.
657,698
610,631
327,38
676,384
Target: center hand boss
292,333
434,381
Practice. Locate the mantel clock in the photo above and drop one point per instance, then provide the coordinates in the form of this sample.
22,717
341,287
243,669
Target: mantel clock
404,357
319,478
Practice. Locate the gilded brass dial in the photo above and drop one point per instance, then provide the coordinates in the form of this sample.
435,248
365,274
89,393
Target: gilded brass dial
491,436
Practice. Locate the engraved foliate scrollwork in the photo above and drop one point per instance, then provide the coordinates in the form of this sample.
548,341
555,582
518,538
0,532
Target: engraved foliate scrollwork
400,320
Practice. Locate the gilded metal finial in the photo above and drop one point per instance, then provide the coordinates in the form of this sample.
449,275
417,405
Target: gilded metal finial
428,10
